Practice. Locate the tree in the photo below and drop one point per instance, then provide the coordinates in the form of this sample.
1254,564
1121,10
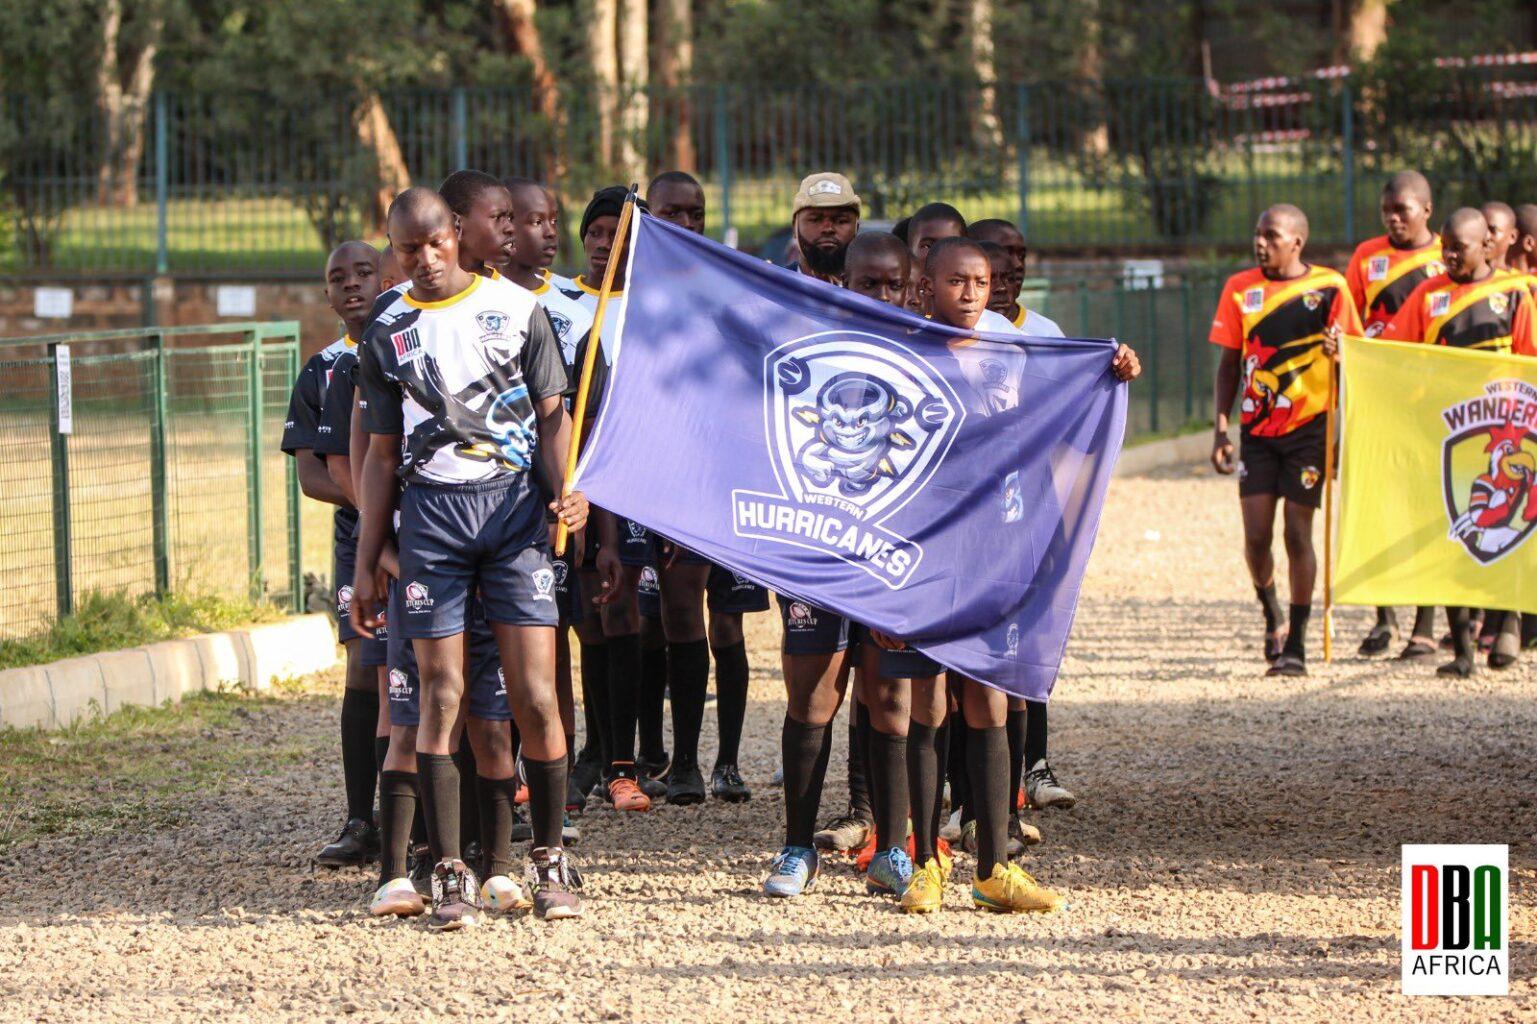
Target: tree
519,31
603,61
634,71
389,163
1360,27
979,31
674,73
125,74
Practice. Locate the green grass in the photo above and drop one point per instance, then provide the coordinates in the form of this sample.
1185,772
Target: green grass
108,622
134,769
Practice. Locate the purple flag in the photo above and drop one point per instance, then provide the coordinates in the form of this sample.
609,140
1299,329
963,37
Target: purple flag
937,485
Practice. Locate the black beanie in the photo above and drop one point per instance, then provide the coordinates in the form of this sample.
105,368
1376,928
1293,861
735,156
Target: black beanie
605,202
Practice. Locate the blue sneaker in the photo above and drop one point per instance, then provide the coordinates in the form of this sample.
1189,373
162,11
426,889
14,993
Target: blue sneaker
792,871
889,872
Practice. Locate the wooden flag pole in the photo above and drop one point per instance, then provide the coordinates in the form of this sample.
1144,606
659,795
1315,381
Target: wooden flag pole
594,341
1329,515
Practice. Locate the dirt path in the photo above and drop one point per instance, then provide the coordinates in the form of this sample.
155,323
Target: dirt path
1234,855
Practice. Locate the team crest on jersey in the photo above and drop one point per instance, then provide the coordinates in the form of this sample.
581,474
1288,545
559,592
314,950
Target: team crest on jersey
562,324
857,426
1440,303
493,325
544,584
1254,300
1377,268
1374,328
408,345
1311,300
1499,302
1488,468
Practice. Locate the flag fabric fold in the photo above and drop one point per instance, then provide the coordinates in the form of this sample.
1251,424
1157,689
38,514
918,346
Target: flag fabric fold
1438,460
939,486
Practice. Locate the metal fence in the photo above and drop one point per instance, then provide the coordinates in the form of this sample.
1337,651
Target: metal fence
146,461
239,183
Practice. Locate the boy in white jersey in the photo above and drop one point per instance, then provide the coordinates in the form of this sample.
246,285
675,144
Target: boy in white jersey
462,382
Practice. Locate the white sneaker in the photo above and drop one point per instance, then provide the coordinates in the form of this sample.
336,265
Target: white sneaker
1043,789
397,898
950,831
501,895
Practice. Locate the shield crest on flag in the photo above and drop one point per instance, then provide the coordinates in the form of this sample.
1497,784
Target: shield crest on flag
1488,472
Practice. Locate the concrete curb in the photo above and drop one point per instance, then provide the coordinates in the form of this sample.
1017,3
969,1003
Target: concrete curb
1171,451
63,692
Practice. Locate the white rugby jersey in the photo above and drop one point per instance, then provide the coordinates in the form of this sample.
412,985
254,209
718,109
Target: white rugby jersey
458,378
570,318
1032,324
586,294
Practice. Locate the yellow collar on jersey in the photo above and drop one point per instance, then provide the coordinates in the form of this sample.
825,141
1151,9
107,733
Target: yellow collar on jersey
475,280
581,282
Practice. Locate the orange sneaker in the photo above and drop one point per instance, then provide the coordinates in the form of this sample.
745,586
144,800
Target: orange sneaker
1019,799
865,854
521,797
627,796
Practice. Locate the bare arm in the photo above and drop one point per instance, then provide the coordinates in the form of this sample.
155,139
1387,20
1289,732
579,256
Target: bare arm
554,427
315,480
380,494
1223,396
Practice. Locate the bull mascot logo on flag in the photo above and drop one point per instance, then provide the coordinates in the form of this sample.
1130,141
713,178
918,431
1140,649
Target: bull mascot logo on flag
1489,462
857,425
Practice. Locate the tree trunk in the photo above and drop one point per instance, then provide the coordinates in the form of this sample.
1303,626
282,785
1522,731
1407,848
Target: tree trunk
1093,130
520,35
674,73
378,137
1361,26
124,103
603,53
635,76
979,30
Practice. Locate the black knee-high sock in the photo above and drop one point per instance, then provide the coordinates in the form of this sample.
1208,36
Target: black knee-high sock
688,679
1296,638
653,696
987,762
1035,734
1425,622
959,778
497,799
397,810
1018,728
381,751
595,703
922,773
1464,636
859,774
469,796
805,749
438,781
360,717
623,695
731,676
888,786
1387,617
546,800
942,748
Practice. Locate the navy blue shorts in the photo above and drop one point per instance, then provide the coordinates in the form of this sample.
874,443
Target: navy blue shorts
487,538
634,543
376,652
728,593
648,593
811,630
568,590
661,547
483,680
344,564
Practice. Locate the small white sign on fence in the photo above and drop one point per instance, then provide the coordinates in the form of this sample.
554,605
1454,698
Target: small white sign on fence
53,303
66,390
236,300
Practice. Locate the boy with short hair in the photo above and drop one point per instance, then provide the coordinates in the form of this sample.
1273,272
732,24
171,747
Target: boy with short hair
352,285
465,372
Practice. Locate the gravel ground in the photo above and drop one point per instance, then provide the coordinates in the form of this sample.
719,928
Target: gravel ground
1234,855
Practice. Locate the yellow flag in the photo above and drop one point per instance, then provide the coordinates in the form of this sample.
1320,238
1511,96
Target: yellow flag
1438,477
